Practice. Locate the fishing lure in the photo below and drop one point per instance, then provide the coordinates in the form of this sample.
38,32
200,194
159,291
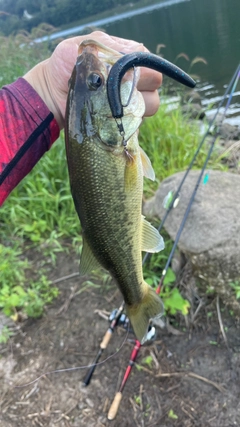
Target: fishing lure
140,59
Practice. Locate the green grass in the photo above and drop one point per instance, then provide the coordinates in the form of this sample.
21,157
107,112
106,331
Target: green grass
20,292
41,206
16,59
170,140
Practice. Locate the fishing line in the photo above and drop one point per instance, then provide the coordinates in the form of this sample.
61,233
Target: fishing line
75,368
132,88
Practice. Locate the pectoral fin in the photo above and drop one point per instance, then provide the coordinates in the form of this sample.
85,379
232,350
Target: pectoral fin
148,171
152,241
88,262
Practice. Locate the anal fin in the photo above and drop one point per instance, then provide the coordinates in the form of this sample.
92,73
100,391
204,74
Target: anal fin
152,241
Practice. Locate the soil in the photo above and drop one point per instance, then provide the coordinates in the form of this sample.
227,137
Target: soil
193,379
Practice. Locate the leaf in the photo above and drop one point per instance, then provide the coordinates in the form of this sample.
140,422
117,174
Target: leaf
170,277
147,361
172,415
19,290
13,300
175,302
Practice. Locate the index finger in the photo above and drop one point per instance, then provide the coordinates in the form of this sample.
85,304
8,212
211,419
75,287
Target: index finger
150,80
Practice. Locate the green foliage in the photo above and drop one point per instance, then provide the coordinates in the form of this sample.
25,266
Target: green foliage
172,415
174,302
236,287
147,361
138,400
16,292
170,140
16,59
172,299
12,266
41,206
5,334
152,271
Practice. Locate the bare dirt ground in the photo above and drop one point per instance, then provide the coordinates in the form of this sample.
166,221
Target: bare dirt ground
168,393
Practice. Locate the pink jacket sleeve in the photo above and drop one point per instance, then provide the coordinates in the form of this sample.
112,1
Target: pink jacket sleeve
27,130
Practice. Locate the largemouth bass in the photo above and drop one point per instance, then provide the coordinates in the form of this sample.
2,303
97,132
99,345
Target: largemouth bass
106,179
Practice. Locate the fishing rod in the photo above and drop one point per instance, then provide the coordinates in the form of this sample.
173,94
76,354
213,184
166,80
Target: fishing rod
118,396
104,343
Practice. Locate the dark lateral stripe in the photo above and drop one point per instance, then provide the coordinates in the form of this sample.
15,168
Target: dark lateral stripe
32,138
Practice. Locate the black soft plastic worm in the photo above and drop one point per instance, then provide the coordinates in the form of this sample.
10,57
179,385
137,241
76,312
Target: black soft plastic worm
140,59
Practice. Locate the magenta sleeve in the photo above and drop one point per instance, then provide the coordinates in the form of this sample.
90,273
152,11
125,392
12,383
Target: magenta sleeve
27,130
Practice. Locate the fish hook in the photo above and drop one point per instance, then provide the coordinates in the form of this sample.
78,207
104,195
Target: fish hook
140,59
132,88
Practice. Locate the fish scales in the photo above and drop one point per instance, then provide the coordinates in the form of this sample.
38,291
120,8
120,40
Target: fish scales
111,218
106,182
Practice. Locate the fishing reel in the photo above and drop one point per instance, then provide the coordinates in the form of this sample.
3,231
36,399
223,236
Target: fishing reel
125,323
122,321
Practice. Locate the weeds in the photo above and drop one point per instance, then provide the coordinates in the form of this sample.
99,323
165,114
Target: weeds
41,206
17,56
236,288
17,293
170,140
172,415
5,334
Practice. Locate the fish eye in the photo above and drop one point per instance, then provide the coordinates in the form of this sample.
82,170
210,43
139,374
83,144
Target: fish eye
94,81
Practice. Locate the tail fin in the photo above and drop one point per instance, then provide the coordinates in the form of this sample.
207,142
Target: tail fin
151,307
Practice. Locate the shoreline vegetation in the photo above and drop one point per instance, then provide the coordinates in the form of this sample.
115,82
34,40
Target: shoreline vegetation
39,214
24,15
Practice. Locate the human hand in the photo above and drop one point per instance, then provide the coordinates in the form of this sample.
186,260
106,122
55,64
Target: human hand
50,77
